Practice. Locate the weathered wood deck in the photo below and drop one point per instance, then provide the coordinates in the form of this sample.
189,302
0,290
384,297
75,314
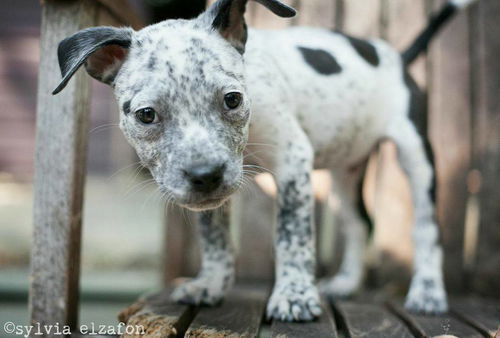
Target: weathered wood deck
242,314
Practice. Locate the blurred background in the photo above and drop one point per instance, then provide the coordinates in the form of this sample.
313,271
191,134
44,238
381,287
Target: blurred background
126,246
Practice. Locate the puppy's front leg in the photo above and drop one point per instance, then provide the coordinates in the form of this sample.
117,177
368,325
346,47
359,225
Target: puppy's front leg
217,267
295,297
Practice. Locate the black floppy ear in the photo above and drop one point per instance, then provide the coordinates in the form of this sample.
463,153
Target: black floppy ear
226,16
102,49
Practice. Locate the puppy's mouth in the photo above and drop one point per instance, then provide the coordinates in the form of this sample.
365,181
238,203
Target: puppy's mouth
202,202
207,204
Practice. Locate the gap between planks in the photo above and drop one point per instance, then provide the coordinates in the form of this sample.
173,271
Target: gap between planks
431,326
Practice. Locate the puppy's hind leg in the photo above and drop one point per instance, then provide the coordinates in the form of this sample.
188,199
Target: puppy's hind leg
427,293
217,267
354,222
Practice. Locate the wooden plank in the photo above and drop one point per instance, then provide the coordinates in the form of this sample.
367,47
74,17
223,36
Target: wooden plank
430,326
483,315
322,327
486,145
450,134
361,17
369,320
240,315
401,22
319,13
158,316
255,234
61,144
123,12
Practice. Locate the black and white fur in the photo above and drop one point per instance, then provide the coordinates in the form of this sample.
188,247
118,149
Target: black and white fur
310,98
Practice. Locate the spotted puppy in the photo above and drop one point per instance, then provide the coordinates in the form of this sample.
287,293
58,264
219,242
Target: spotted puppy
205,101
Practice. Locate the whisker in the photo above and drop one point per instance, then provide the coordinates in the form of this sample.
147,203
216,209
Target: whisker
166,196
124,168
262,144
141,184
258,167
153,193
254,154
135,175
103,127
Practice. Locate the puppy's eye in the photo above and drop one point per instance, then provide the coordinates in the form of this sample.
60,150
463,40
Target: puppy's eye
147,116
232,100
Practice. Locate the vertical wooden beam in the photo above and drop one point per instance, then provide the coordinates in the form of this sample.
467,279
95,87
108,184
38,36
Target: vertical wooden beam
182,252
449,127
61,143
485,49
401,22
320,13
339,14
361,17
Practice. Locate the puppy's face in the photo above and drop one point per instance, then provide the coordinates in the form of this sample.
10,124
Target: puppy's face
185,111
180,86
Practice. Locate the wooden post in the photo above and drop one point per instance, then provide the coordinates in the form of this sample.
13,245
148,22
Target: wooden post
449,126
61,143
361,18
321,13
181,250
485,48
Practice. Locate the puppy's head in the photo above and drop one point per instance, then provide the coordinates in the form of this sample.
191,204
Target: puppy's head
181,88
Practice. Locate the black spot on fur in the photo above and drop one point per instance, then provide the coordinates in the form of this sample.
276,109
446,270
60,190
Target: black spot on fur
429,284
320,60
126,107
152,62
365,49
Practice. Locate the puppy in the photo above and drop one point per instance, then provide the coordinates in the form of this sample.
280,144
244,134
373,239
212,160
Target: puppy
196,95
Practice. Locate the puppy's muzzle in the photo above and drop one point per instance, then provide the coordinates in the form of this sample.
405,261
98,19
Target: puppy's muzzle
205,178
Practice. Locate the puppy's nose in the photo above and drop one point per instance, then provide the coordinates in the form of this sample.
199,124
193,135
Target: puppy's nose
205,177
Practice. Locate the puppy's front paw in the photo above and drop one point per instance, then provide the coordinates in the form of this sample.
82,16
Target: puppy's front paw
294,301
426,296
199,291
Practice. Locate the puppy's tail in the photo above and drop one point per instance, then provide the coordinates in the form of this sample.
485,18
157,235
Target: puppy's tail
436,22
